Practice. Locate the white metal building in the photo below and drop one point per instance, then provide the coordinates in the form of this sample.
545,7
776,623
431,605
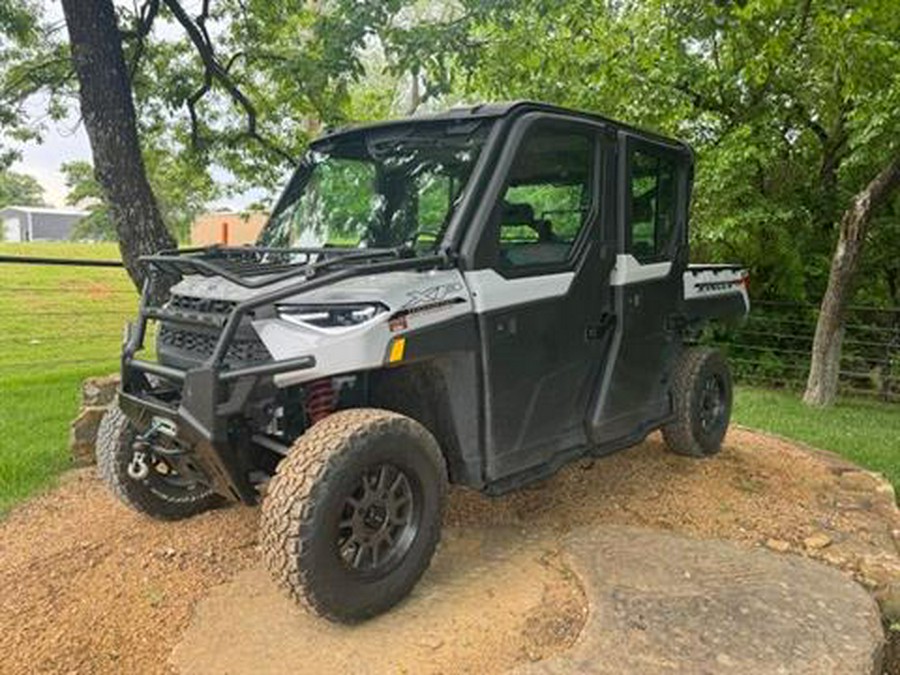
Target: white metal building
38,223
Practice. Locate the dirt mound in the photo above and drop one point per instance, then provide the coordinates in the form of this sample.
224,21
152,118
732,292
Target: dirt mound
88,586
490,599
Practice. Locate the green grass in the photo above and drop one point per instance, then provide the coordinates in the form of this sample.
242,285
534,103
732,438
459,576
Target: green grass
865,432
58,325
64,316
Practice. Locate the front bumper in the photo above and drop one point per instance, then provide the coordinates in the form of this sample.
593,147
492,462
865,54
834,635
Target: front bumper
207,401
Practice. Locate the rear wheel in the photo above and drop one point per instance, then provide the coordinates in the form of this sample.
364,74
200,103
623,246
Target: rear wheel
353,516
162,493
701,398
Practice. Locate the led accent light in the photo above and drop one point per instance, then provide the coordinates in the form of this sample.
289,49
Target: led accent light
330,316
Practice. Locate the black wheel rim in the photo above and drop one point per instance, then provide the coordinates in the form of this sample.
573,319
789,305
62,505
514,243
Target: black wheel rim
379,520
712,404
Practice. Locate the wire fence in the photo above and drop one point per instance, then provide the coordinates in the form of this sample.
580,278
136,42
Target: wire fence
772,347
70,316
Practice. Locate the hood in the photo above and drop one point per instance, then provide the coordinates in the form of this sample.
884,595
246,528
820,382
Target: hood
401,289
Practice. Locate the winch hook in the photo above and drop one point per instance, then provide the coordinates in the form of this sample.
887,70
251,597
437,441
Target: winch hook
138,469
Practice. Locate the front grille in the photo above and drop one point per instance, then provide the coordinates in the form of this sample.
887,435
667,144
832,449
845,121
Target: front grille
188,303
200,345
197,344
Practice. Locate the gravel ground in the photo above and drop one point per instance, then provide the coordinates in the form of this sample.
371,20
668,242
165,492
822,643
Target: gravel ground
87,586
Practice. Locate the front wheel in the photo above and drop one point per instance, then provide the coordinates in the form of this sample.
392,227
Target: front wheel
162,493
353,515
701,401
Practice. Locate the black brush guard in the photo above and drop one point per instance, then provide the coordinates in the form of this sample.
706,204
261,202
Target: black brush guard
215,392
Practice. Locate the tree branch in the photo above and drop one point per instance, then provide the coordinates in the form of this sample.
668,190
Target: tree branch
216,73
31,79
146,16
231,61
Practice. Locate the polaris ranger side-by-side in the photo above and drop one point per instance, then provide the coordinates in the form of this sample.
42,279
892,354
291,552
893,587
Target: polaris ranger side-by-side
478,297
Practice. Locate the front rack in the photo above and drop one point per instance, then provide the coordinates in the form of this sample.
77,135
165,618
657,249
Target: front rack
256,267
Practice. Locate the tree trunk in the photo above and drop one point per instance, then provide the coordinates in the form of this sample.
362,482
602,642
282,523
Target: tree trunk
107,108
821,387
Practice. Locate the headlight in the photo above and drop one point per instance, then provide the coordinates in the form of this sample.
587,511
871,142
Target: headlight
330,316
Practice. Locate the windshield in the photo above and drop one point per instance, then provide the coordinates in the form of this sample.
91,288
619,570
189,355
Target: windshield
378,188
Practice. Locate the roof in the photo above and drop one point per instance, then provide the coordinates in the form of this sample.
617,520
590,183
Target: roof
44,211
495,110
229,212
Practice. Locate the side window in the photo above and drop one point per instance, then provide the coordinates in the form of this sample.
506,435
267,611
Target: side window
653,204
547,200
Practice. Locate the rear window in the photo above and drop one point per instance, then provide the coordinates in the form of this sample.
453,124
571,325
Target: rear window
653,202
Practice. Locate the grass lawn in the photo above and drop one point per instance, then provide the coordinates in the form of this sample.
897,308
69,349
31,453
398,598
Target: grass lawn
866,432
58,325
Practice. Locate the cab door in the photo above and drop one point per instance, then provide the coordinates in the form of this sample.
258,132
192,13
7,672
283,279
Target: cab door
654,180
540,287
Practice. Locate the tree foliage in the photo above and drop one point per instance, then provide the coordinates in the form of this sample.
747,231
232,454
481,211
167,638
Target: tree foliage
20,189
181,191
238,89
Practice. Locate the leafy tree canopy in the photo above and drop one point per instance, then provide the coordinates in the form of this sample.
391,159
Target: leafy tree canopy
238,88
182,194
20,189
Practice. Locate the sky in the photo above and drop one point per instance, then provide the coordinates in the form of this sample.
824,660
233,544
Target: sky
67,140
63,142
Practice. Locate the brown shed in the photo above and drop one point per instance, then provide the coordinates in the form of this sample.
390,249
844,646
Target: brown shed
227,227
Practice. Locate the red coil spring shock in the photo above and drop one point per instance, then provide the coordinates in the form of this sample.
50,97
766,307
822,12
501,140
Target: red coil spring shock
320,399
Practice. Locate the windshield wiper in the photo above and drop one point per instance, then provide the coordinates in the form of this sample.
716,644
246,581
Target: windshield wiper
365,254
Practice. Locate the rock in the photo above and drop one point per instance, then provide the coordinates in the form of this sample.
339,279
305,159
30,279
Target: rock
886,493
167,553
432,643
778,545
97,394
83,434
858,502
859,481
880,569
99,391
741,611
816,541
888,598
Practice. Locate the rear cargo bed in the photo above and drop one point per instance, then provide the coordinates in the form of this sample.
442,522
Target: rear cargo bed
716,291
